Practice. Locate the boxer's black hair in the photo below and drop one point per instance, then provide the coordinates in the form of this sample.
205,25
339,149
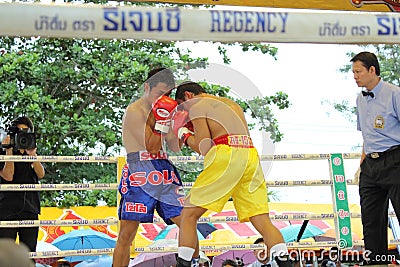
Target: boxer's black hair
188,86
158,75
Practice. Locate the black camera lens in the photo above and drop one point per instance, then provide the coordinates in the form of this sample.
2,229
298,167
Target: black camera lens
25,140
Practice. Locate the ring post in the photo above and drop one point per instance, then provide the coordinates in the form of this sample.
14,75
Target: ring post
340,202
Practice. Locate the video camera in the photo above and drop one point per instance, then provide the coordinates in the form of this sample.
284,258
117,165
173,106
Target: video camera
20,138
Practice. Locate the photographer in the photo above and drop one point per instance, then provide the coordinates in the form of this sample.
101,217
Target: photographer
20,205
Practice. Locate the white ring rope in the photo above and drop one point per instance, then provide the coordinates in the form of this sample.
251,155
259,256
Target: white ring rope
114,186
108,159
81,159
157,249
213,219
56,187
163,249
69,222
216,247
306,156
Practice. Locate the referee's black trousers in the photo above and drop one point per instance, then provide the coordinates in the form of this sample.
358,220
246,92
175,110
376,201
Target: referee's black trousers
379,182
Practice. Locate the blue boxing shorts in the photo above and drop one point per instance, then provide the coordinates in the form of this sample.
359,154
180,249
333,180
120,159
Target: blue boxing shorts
150,182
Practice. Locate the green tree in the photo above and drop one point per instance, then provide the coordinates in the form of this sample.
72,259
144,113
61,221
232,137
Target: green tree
76,92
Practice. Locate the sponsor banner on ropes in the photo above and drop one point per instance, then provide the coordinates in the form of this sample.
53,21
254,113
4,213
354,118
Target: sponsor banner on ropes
228,25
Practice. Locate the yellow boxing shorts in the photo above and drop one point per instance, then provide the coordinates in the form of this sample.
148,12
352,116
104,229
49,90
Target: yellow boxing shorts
231,169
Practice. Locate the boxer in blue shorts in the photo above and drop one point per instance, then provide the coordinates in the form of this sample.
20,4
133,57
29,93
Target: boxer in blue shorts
150,181
148,185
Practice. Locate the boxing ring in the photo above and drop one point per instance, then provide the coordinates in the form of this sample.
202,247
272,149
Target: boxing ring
68,21
340,215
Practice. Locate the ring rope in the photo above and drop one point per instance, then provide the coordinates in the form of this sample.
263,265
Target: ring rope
69,222
114,186
109,159
216,247
163,249
56,187
306,156
283,183
157,249
106,159
214,219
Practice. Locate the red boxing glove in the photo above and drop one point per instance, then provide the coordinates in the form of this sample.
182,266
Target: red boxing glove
162,109
181,125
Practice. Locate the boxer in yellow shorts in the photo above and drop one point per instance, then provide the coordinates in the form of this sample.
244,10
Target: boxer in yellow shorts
216,128
231,169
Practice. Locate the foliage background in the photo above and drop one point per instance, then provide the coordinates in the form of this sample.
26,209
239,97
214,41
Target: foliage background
75,91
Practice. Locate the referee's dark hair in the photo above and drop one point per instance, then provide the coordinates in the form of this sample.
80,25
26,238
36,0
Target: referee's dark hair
368,60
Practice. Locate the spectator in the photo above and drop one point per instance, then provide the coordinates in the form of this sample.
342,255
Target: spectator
229,263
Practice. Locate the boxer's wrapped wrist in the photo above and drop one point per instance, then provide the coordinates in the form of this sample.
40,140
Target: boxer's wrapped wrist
184,134
157,133
162,127
185,138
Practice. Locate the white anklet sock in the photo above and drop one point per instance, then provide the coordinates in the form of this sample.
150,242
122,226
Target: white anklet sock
185,253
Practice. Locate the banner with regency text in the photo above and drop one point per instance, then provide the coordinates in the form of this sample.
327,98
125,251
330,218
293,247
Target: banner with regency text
227,25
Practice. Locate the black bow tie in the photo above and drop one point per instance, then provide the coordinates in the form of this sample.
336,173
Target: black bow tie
366,93
265,265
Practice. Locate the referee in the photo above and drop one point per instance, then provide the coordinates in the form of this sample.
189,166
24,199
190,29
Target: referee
378,118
